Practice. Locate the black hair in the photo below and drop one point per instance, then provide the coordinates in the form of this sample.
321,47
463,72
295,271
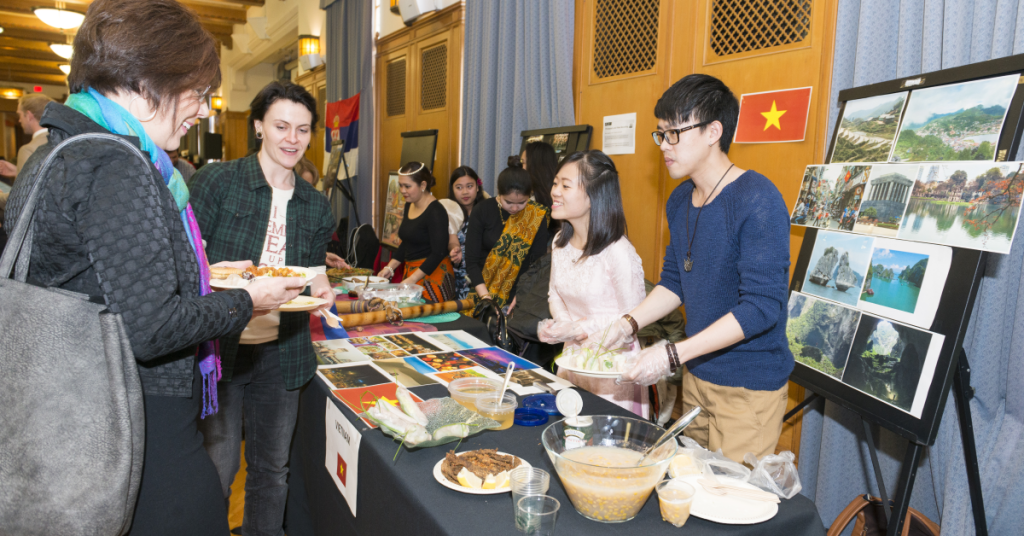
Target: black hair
700,98
418,173
465,171
541,164
282,89
600,181
514,179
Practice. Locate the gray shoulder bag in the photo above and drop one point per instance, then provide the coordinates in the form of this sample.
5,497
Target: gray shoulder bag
71,411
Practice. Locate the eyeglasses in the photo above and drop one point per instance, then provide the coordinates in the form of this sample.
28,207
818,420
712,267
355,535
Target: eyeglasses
205,96
672,134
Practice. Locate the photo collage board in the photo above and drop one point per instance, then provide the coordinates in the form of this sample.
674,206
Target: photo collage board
863,313
920,165
360,370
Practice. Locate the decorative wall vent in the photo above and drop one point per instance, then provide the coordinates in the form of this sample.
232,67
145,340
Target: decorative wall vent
745,25
396,87
625,36
434,78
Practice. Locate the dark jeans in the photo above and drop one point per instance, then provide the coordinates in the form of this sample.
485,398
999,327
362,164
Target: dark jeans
255,394
178,494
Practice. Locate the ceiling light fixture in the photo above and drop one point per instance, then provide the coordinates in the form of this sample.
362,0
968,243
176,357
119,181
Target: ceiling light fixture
65,68
59,18
61,49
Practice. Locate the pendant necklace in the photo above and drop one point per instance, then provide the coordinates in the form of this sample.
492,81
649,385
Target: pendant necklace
688,262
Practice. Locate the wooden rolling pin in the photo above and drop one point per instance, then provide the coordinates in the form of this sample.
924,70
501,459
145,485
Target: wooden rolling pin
379,317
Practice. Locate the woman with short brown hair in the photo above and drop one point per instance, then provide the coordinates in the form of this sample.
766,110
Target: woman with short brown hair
122,232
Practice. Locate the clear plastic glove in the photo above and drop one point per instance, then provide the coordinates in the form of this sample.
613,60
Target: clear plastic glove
614,335
647,367
555,331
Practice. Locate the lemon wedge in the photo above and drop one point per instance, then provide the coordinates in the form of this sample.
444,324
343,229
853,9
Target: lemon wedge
489,482
501,480
468,479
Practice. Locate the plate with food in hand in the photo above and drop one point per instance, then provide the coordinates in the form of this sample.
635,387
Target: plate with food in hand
302,303
477,472
226,277
571,363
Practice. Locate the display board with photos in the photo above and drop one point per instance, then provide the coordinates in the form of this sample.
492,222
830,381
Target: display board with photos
358,369
916,189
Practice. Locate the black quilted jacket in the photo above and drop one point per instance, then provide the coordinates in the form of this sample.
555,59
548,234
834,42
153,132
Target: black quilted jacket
109,228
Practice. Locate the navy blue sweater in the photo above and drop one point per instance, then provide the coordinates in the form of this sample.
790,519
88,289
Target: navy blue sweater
740,259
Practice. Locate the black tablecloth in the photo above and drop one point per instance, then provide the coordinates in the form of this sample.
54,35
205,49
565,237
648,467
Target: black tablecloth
401,497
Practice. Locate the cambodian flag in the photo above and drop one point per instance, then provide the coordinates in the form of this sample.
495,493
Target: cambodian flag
343,125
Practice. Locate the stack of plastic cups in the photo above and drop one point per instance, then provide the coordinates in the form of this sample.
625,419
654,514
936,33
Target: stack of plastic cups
527,481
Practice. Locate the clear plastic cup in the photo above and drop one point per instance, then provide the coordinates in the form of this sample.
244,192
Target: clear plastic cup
675,498
525,482
502,410
536,515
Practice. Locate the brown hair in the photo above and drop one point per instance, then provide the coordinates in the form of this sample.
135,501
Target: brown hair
156,48
305,165
35,103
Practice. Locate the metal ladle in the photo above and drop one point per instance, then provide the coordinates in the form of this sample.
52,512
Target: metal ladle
671,433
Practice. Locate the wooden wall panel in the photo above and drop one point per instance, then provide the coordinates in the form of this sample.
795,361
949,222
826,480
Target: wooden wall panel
234,127
683,48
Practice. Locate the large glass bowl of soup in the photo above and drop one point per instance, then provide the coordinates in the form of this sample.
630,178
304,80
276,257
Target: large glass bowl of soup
601,477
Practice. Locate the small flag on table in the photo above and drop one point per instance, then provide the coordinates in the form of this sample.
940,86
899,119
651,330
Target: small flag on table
773,116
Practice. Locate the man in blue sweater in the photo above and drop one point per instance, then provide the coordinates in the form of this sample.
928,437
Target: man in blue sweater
728,263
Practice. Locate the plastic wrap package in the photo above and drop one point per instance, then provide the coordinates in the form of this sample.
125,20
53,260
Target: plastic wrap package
442,412
775,473
721,465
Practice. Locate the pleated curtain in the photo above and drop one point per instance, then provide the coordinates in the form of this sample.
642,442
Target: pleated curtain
880,40
517,75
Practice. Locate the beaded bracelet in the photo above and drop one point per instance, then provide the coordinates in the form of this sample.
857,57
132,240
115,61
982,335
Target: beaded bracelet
632,323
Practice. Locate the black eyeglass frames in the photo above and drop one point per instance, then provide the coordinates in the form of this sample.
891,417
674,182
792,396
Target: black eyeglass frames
672,134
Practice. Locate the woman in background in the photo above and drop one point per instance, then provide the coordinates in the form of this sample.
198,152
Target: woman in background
424,234
505,235
307,170
466,190
596,274
540,161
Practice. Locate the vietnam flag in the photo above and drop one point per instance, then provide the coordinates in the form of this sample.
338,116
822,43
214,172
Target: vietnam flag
773,116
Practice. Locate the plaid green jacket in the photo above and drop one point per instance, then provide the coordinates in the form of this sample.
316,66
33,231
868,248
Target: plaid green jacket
231,201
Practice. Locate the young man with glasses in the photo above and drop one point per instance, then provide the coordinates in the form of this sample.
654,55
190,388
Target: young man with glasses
727,262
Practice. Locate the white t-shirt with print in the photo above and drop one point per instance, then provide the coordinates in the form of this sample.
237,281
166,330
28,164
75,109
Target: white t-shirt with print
265,328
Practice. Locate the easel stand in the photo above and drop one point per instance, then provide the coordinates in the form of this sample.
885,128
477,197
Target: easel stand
341,186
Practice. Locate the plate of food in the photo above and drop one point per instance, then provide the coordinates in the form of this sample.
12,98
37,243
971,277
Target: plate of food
302,303
569,362
226,277
477,472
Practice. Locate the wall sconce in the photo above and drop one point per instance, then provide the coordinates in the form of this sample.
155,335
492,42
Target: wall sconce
217,102
309,44
10,93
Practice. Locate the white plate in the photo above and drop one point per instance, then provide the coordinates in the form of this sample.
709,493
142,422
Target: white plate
582,372
439,476
223,284
302,303
728,510
361,280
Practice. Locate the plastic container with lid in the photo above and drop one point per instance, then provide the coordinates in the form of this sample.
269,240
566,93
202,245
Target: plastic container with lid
544,402
501,410
466,391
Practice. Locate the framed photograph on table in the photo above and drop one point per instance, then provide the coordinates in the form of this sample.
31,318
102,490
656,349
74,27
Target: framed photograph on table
393,209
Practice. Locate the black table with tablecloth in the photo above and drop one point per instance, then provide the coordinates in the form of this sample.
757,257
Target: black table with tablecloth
400,496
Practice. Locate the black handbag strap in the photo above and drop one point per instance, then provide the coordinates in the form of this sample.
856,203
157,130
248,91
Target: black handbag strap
17,254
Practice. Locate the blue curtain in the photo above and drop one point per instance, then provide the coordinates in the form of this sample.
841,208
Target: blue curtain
517,75
880,40
350,71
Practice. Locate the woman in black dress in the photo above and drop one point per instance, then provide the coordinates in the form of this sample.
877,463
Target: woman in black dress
424,236
506,234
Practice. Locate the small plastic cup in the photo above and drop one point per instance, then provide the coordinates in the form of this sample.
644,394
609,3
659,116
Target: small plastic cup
466,391
536,515
502,410
527,481
675,498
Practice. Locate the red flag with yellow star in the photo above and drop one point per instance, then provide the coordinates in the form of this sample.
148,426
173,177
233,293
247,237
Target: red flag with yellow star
773,116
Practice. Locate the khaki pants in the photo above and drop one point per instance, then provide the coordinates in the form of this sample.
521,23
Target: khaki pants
734,419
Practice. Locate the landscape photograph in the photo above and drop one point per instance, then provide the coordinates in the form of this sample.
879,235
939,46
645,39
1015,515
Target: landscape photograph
830,196
868,128
965,204
885,199
894,279
887,360
955,122
820,333
837,266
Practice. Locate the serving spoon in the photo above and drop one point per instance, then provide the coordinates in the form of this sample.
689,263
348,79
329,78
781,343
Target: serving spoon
671,433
